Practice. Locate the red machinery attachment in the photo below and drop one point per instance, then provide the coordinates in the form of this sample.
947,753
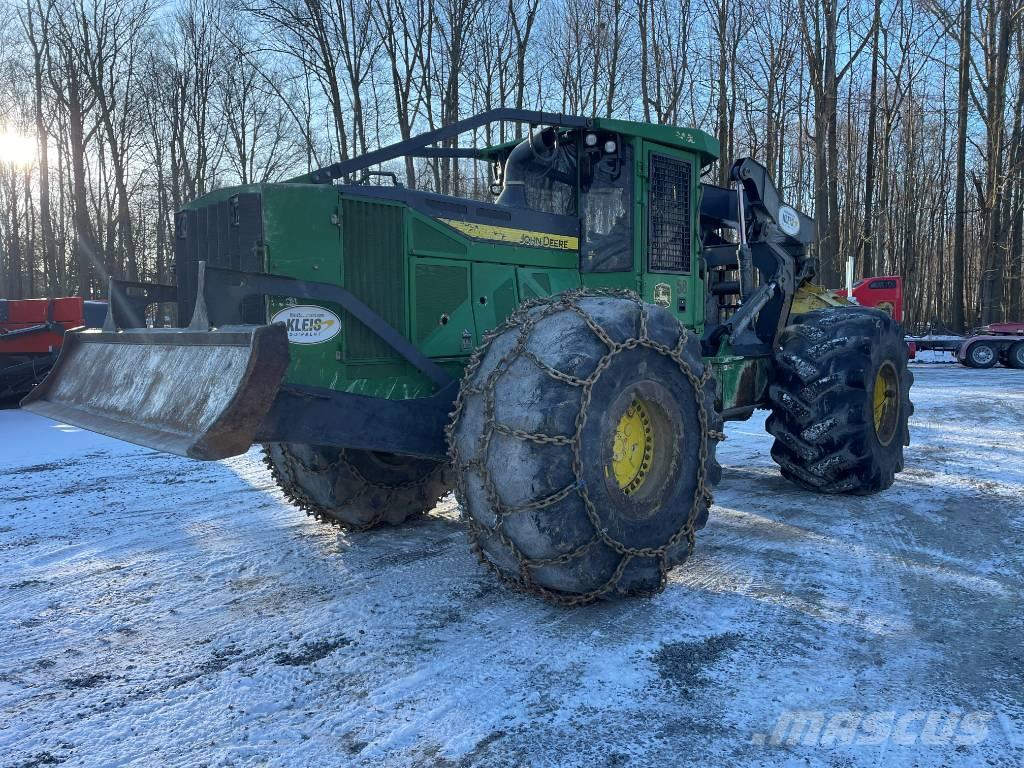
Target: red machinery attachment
32,333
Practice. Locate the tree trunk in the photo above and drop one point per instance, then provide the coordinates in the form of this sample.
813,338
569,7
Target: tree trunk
867,265
957,315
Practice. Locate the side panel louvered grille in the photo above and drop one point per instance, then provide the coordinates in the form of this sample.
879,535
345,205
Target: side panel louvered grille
373,250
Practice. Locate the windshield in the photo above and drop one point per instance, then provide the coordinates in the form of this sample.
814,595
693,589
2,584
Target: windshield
540,174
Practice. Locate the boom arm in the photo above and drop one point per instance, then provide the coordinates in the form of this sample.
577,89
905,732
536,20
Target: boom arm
773,240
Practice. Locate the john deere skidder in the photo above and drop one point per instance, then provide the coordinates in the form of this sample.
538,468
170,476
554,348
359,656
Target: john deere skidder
563,356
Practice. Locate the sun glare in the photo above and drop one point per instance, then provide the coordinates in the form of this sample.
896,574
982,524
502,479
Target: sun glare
16,148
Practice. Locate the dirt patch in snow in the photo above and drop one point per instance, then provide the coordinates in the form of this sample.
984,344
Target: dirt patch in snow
311,652
684,663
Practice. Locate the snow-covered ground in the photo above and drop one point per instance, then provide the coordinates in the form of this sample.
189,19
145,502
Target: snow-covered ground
933,356
156,611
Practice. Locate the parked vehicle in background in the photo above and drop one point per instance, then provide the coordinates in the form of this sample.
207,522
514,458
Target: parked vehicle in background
981,348
31,336
991,344
884,293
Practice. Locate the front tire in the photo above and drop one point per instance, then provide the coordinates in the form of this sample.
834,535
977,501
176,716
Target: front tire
356,490
841,401
583,443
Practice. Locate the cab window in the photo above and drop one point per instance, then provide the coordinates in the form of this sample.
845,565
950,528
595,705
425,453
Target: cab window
669,245
606,204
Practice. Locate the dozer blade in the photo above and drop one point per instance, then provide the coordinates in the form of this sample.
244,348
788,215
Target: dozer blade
195,393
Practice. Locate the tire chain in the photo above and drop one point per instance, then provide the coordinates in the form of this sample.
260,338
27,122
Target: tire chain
295,494
525,319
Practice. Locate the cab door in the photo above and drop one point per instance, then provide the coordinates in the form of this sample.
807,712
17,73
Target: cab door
670,233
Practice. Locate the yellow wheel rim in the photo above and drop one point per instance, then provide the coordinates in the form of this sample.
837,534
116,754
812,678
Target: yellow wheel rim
633,450
886,403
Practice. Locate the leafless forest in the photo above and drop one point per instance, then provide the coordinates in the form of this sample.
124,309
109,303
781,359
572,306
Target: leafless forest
898,123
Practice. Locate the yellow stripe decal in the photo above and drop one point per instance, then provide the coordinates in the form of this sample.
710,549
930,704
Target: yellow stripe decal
514,236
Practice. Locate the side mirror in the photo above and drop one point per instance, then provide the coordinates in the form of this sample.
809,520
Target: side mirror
497,181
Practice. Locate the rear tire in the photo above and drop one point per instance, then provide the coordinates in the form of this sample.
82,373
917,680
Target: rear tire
583,443
356,490
1015,357
841,401
982,355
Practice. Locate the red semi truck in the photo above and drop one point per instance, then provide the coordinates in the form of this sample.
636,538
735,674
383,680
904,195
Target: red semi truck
31,335
884,293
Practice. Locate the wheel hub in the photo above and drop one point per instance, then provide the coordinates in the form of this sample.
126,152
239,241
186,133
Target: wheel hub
886,403
982,354
633,450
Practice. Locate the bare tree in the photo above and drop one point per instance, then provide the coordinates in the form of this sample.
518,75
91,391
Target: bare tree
901,125
820,25
69,84
404,27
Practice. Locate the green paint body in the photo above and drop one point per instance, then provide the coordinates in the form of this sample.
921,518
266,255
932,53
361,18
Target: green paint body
444,290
